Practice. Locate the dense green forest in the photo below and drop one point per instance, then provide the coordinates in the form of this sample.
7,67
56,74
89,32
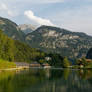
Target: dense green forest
13,50
7,47
24,53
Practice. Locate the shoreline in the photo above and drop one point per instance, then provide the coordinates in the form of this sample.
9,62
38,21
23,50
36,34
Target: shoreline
17,68
27,67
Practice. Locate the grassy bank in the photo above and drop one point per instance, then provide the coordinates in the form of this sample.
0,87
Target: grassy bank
6,64
83,67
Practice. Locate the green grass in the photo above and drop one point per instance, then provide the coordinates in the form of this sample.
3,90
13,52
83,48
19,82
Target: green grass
4,64
89,66
85,67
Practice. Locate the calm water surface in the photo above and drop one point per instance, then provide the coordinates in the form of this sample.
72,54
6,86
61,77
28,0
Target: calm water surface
46,80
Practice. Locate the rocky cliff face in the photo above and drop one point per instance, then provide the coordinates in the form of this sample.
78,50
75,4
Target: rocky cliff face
11,29
53,39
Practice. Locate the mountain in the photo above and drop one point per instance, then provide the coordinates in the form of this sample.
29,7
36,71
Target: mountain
18,50
48,38
27,28
13,50
57,40
89,54
11,29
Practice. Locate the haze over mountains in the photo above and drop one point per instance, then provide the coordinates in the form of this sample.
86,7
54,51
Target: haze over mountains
49,38
27,28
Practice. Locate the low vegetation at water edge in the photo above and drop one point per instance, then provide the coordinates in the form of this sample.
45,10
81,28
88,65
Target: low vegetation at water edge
6,64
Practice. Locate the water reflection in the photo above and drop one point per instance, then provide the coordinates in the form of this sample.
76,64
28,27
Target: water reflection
46,80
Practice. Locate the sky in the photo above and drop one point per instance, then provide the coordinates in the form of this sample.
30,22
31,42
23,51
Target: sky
74,15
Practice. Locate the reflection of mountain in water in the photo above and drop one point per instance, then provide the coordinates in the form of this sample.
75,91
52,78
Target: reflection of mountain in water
46,80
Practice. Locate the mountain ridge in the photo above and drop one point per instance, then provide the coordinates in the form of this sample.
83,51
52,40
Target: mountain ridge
60,40
27,28
11,29
50,39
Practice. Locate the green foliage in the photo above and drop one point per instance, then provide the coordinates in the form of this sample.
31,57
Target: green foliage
66,62
41,61
16,51
56,60
24,53
82,61
85,63
89,65
6,64
6,47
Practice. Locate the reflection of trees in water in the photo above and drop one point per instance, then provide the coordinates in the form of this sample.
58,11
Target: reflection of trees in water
58,74
5,81
46,80
85,74
65,82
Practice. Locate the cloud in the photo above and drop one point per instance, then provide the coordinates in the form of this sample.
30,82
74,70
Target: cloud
38,20
3,6
50,1
36,1
5,10
10,13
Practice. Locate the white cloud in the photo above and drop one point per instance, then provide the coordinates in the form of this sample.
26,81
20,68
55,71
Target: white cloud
38,20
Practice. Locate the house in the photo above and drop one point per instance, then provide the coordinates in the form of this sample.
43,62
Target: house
88,60
35,64
47,58
81,62
22,65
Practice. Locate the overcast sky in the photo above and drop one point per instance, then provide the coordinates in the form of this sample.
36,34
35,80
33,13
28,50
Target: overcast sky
75,15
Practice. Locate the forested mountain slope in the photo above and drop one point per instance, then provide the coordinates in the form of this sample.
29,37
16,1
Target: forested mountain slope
13,50
65,42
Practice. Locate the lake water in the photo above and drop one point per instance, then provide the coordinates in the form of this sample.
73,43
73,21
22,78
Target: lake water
46,80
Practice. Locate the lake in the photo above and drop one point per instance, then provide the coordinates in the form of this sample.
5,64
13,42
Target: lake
46,80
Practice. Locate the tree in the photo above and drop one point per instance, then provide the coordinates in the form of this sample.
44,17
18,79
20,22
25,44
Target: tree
82,61
85,63
66,62
56,60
